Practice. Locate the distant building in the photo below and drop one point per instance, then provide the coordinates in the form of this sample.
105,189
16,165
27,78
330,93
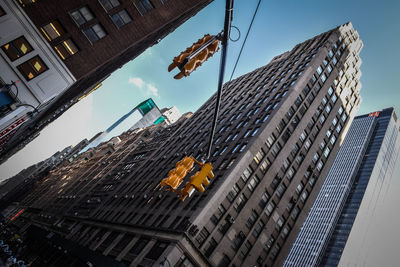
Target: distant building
278,133
337,229
141,116
62,50
171,115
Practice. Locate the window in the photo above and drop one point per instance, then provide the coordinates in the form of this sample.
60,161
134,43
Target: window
144,6
32,68
242,199
52,30
264,200
66,49
246,174
326,152
319,70
109,4
265,165
82,15
259,156
121,18
253,183
252,219
247,133
281,189
307,145
238,240
269,243
242,148
17,48
202,236
338,128
2,12
94,33
334,98
275,150
255,131
258,228
290,173
270,207
333,140
233,193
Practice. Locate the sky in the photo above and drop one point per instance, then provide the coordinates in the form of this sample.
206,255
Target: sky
278,27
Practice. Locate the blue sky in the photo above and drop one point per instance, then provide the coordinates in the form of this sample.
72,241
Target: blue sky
279,26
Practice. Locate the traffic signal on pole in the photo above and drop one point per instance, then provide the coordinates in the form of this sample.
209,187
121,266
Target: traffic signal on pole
176,176
197,60
198,181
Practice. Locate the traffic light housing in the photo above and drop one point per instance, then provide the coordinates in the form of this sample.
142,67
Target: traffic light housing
186,64
198,181
176,176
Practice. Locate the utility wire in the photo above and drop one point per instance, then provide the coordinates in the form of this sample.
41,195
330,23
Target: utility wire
245,39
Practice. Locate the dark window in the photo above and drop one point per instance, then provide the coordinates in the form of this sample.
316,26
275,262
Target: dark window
157,250
212,244
52,30
238,240
109,4
121,18
139,246
2,12
32,68
94,33
66,49
17,48
82,15
202,236
144,6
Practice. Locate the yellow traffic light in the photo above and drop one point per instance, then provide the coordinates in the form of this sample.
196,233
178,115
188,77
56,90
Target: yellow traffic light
176,176
198,181
197,60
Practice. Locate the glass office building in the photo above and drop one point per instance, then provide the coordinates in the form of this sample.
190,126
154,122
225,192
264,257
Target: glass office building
337,228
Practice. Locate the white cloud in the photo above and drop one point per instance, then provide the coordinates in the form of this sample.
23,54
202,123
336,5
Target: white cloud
145,87
136,81
152,90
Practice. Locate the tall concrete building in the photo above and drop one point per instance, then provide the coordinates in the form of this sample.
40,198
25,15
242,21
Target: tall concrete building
60,51
337,230
280,128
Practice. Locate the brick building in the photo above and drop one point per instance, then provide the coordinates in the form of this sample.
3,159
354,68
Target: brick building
278,133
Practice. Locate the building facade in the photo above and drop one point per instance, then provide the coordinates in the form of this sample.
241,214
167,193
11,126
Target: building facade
335,231
278,133
26,58
60,51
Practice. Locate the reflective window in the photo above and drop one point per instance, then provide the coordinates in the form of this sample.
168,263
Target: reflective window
17,48
109,4
144,6
32,68
82,15
66,49
94,33
121,18
52,30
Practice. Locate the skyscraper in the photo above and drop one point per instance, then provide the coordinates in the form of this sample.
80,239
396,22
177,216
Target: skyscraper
61,50
337,229
278,133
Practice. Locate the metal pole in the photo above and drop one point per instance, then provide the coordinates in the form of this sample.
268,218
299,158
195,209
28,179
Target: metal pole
224,49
